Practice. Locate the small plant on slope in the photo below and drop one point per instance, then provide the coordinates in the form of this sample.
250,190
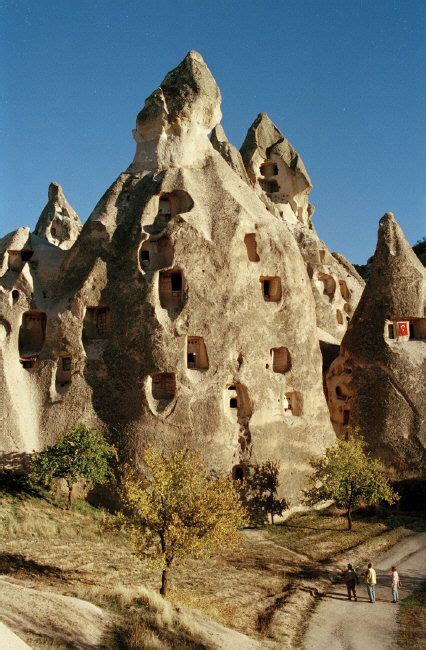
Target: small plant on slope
179,508
81,454
347,475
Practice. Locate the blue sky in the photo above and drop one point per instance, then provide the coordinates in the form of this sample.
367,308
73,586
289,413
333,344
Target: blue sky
344,81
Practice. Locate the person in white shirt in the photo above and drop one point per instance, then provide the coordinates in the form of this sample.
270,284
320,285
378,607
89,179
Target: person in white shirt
395,584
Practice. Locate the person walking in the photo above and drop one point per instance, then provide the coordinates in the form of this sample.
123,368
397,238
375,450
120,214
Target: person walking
351,581
370,578
395,585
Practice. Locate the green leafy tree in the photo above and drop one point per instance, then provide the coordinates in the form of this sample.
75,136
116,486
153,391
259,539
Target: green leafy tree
347,475
259,492
178,508
81,454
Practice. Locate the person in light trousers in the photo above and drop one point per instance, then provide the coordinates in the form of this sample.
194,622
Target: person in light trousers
370,578
395,585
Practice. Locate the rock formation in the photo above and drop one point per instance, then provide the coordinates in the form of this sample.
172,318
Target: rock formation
228,152
377,384
280,179
58,223
198,304
184,310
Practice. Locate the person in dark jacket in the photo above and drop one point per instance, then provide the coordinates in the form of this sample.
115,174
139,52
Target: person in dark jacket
351,581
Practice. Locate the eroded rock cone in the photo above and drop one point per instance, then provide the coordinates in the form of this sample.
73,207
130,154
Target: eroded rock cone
185,307
378,383
58,223
282,182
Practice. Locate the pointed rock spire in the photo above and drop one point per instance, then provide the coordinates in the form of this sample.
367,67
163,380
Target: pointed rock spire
383,396
58,222
172,128
263,139
276,170
395,289
228,152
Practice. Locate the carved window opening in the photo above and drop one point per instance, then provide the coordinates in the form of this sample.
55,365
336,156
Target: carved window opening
63,371
293,404
268,169
169,205
347,308
18,258
339,316
391,331
250,242
270,187
28,362
341,393
15,296
53,231
241,402
26,255
239,472
281,360
97,322
32,333
329,284
144,258
164,386
156,253
344,291
196,356
346,415
171,291
164,213
271,288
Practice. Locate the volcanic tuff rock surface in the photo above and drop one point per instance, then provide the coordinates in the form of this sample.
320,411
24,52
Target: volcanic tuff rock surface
379,378
183,312
283,184
58,223
228,152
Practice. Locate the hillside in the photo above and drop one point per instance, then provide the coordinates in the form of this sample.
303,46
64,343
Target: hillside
262,589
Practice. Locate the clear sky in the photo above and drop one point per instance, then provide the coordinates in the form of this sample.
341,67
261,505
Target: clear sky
344,80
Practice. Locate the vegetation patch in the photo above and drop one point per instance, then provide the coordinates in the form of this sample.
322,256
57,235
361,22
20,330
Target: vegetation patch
412,621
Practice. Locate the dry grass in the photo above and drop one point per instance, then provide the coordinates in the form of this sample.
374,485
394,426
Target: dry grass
412,621
322,535
261,589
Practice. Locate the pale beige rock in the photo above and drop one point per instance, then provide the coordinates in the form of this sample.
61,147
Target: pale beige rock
58,223
28,270
283,184
228,152
380,375
170,128
184,306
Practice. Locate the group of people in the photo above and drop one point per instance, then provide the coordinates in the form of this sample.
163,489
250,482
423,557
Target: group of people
352,580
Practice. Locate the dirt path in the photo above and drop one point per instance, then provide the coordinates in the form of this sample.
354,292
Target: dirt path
338,624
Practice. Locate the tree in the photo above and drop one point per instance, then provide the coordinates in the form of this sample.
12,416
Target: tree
259,492
81,454
348,476
178,508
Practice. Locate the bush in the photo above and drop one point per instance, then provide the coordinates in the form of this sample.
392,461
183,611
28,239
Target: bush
80,455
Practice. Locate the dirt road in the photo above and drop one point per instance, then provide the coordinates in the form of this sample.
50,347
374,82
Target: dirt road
338,624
